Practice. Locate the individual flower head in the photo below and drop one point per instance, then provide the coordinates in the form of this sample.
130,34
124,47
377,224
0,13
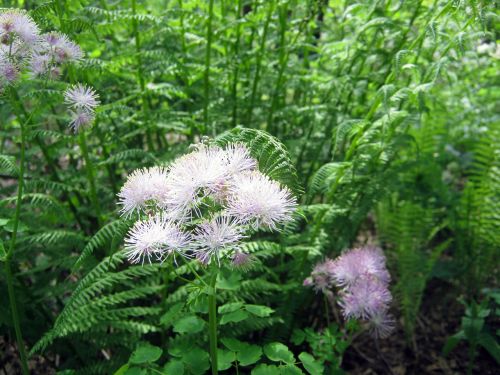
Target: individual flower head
241,260
156,238
17,24
193,177
9,72
62,48
81,97
257,200
237,159
214,238
381,325
39,64
321,277
80,119
356,263
141,187
366,298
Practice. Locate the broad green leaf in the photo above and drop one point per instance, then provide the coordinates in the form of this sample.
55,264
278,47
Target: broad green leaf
310,364
122,370
259,310
234,317
488,342
249,355
278,352
233,344
171,314
266,370
298,336
146,354
290,369
452,342
224,359
230,307
174,367
3,253
136,371
189,324
196,360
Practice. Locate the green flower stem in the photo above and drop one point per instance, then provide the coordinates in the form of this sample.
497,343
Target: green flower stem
207,66
90,176
8,267
212,319
258,64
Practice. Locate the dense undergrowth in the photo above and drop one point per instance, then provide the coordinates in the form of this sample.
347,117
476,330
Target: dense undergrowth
379,117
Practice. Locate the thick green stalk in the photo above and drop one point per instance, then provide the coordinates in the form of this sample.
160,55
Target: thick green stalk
140,76
89,166
207,66
259,62
212,319
237,64
8,267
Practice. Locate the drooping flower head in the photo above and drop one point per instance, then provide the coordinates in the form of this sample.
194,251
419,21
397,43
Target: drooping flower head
321,277
257,200
356,263
216,237
81,97
82,102
155,238
17,24
365,298
381,324
143,186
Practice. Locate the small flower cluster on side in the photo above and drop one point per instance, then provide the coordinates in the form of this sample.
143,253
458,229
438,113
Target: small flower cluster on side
362,279
203,205
22,46
82,102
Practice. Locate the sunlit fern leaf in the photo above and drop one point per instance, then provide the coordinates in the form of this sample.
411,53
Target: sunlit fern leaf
8,165
115,229
274,159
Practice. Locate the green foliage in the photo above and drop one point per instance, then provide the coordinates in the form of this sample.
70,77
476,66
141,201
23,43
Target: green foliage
380,116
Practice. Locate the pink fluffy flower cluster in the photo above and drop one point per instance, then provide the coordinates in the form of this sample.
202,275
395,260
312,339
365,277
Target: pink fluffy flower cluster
24,48
362,279
202,205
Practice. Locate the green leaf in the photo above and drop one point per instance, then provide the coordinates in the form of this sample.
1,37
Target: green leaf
298,336
171,314
234,317
225,359
488,342
290,370
452,342
310,364
122,370
266,370
231,282
230,307
146,354
278,352
3,253
196,360
259,310
135,371
189,324
21,227
233,344
174,367
249,354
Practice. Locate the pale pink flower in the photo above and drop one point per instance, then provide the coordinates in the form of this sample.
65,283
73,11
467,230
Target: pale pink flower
214,238
81,118
381,324
81,97
156,238
259,201
237,159
365,298
16,23
142,187
241,260
356,263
